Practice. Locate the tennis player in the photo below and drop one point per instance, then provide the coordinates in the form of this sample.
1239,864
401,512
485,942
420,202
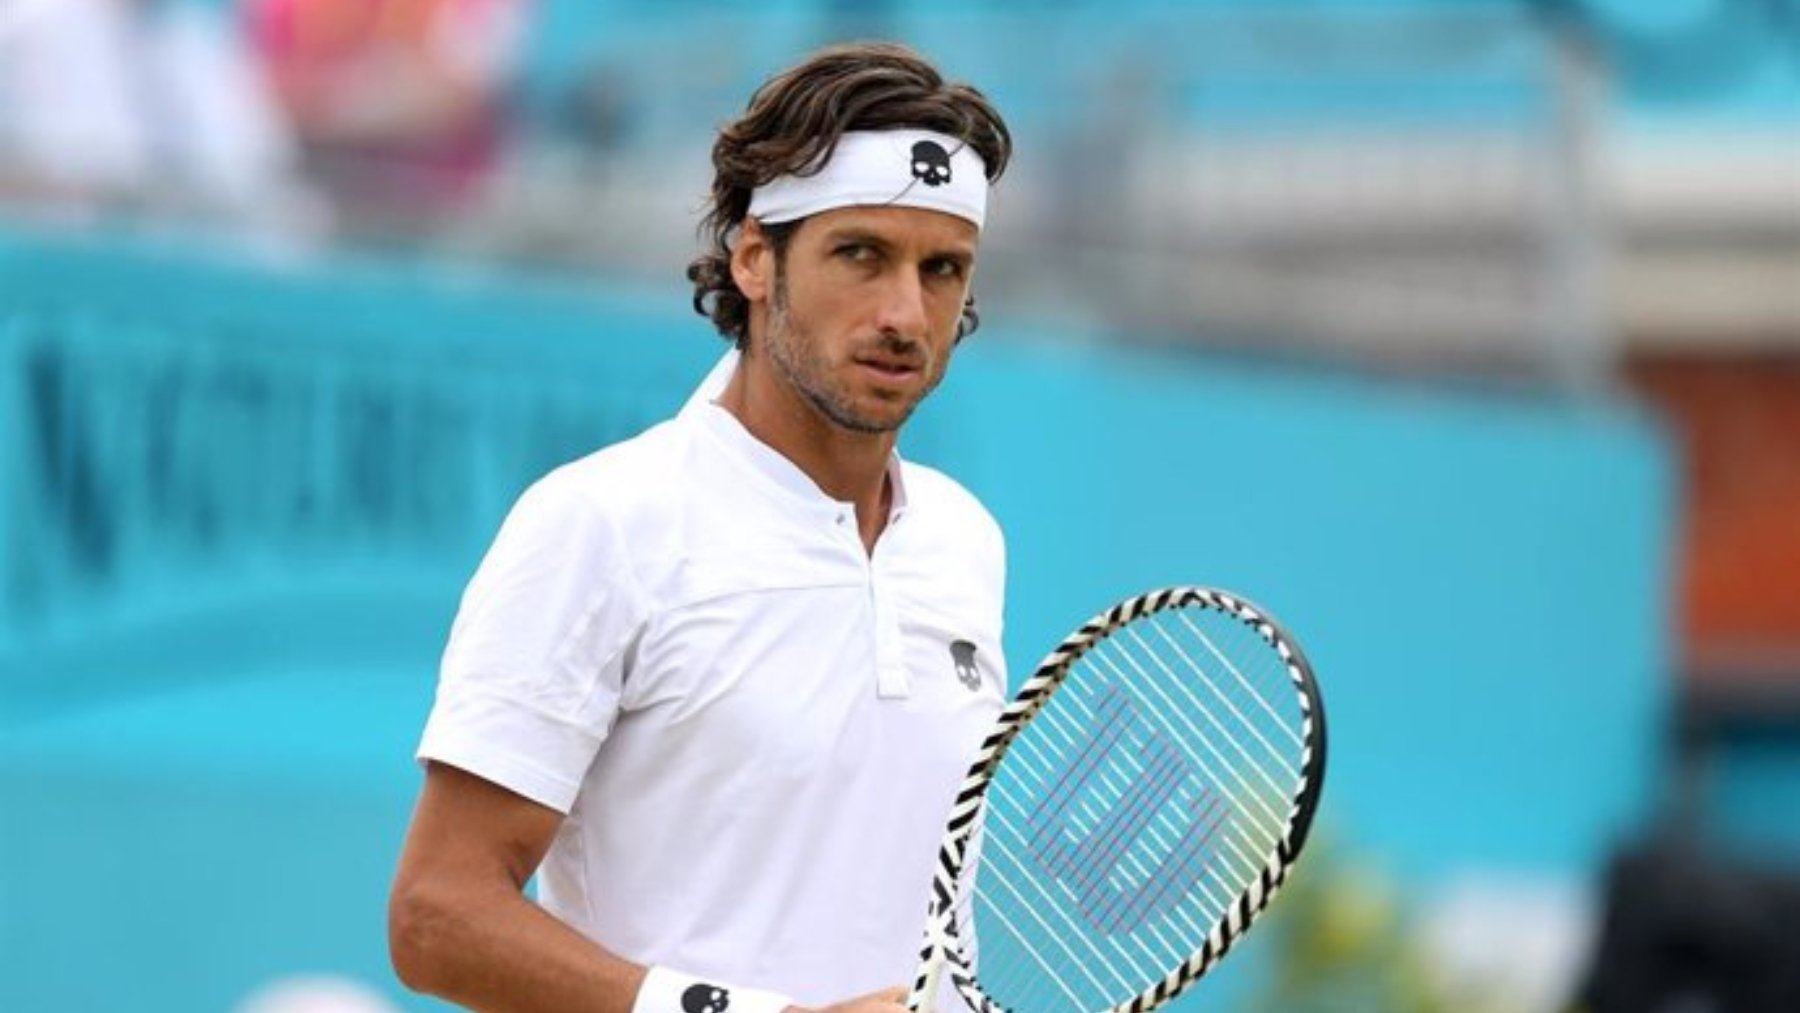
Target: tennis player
716,685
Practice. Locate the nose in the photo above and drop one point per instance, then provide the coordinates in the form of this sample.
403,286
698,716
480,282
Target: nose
901,310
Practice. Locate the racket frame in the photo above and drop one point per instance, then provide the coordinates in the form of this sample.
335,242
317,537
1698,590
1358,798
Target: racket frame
943,951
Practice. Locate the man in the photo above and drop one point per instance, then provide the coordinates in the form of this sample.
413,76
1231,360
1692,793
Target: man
721,681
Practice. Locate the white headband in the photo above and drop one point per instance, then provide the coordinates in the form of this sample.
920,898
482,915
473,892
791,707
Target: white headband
900,168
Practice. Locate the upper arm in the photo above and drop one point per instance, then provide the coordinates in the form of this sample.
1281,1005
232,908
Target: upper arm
469,833
456,914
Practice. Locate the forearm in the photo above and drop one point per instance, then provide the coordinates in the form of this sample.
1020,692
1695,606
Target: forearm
497,952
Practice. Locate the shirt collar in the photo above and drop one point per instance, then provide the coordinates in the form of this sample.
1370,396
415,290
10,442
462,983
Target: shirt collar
767,462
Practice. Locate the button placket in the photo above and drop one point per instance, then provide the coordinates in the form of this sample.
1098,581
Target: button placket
891,679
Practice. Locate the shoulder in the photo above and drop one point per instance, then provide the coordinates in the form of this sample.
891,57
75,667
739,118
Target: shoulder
617,481
603,502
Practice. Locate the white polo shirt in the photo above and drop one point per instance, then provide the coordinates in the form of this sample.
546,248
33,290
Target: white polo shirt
755,727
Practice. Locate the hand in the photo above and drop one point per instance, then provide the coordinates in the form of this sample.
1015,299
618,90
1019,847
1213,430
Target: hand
888,1000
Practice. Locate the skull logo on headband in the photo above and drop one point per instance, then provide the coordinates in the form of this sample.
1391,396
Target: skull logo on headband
930,163
882,168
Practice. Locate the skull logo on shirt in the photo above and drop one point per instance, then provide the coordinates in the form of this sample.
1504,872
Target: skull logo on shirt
962,653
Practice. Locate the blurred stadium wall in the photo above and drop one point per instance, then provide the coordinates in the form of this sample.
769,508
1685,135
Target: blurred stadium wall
240,504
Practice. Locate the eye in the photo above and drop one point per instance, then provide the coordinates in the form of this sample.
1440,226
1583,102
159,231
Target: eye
944,267
855,253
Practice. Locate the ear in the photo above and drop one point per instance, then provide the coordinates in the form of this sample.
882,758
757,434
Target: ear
753,261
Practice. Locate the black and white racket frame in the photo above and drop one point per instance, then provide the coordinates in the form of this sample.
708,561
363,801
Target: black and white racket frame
943,951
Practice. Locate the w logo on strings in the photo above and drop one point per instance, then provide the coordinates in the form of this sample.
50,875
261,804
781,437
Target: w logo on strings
1126,824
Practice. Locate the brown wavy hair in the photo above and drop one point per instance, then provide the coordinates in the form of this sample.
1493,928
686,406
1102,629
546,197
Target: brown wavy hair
792,126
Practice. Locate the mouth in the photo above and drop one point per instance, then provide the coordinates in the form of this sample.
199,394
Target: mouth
890,368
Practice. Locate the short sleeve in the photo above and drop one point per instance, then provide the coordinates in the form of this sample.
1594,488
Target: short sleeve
532,675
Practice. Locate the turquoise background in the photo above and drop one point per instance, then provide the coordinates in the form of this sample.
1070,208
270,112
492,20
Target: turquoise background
240,498
1716,61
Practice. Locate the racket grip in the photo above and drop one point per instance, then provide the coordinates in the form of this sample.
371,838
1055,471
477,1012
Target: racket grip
923,998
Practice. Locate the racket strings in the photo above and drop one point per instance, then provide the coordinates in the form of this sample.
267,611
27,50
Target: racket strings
1163,834
1254,760
1279,756
1277,721
1129,818
1171,713
1131,814
1165,819
1058,917
1182,849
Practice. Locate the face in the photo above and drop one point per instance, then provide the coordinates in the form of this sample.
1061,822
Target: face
863,310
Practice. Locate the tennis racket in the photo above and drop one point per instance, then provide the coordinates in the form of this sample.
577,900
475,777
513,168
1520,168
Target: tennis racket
1133,811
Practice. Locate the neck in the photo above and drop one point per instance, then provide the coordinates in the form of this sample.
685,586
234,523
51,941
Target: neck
845,464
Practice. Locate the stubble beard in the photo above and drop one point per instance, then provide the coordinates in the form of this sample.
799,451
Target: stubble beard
789,342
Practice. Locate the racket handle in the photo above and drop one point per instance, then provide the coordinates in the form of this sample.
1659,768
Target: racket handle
925,988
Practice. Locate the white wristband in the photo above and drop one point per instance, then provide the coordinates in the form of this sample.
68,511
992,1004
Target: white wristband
668,991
